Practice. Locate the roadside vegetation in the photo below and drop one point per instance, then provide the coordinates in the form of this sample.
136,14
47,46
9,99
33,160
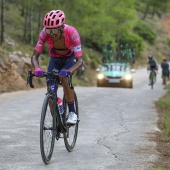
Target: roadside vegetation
163,105
160,169
98,22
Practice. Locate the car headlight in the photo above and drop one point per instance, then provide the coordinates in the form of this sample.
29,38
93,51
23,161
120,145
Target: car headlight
128,77
100,76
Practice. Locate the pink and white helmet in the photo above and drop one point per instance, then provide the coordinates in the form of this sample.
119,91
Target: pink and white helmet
54,19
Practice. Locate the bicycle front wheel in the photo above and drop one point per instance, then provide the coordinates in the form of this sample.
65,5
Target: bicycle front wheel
47,129
70,136
152,79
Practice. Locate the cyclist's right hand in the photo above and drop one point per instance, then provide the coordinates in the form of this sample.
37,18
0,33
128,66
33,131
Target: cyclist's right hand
38,72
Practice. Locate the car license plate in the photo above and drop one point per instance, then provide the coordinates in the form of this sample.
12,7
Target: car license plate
114,81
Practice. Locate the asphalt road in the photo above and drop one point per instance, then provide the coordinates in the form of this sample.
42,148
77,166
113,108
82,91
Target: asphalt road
115,128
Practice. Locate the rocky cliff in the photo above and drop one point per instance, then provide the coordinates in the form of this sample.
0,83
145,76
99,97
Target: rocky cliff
13,71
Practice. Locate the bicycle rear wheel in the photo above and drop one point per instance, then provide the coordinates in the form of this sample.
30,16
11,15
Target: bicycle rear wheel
70,136
47,129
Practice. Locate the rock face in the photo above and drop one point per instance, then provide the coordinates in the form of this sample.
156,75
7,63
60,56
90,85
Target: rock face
13,72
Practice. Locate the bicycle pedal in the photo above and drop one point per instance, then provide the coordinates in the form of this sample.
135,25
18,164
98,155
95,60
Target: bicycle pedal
70,124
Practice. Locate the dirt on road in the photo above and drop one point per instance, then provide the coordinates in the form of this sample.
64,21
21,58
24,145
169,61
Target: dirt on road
162,147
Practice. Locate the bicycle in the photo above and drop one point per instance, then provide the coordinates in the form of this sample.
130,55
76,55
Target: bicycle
52,122
152,78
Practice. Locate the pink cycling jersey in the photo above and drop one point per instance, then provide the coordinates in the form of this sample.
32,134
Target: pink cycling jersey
72,41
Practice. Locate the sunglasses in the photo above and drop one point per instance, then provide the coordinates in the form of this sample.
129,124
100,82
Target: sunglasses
52,30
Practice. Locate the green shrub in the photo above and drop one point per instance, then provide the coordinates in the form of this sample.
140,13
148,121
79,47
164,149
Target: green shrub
168,41
4,50
94,63
96,58
87,42
145,31
86,58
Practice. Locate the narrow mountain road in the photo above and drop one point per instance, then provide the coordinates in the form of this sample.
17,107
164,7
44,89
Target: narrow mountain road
115,128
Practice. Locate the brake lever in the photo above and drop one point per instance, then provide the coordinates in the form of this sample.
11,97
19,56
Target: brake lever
29,79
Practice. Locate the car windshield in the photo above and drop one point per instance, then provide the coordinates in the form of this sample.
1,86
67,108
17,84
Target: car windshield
114,67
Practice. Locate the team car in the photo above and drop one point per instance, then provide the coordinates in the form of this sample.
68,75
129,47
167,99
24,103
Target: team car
115,75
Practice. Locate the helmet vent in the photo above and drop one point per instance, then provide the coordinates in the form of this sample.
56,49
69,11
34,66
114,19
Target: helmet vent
57,22
60,15
52,23
62,20
48,22
53,16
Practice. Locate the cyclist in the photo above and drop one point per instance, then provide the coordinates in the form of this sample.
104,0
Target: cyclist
65,53
152,65
133,57
165,69
104,57
122,54
109,53
127,54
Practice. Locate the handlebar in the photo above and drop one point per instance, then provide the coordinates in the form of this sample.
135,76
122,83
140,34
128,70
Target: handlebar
50,75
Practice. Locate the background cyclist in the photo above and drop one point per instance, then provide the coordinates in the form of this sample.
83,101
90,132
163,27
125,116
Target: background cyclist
65,53
152,65
165,69
133,57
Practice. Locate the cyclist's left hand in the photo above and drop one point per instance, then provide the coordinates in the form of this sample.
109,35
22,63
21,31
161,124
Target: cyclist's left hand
63,73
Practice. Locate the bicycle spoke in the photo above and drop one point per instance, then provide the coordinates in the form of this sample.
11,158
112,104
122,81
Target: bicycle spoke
47,142
71,134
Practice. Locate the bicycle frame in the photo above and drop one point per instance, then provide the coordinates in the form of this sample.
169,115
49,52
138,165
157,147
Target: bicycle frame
52,87
56,124
54,82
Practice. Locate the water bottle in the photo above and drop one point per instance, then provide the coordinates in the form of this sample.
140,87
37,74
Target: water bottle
60,104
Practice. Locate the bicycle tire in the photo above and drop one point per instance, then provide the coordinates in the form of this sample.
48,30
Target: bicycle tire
71,142
47,129
152,79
